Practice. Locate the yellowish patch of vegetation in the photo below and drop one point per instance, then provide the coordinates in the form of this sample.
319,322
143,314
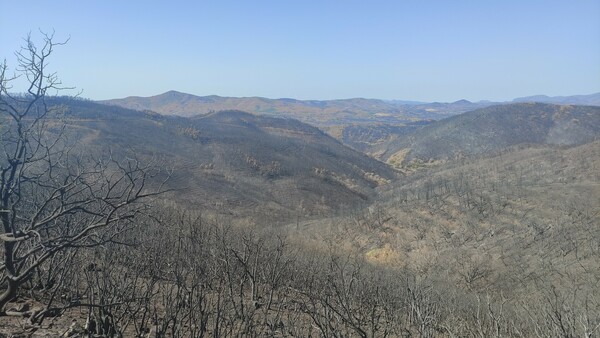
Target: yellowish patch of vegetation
383,255
335,132
375,178
398,157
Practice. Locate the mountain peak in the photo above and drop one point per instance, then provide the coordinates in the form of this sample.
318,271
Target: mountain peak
463,101
174,93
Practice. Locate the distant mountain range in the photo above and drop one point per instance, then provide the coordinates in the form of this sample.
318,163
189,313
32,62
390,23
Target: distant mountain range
585,100
328,113
318,113
399,132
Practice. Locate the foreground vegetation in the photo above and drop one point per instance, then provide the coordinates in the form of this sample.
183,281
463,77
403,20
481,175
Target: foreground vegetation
186,276
504,245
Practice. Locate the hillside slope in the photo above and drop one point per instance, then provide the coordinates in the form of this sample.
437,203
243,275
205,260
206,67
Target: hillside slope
520,228
494,128
235,162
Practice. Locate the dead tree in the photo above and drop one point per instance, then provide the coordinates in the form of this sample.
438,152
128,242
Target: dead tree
52,199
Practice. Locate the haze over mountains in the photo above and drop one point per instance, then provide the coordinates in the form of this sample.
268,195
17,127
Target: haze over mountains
323,113
585,100
318,113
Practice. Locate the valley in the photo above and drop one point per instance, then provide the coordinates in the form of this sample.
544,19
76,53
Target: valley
476,224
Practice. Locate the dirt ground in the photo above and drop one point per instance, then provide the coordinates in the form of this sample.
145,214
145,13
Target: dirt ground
69,324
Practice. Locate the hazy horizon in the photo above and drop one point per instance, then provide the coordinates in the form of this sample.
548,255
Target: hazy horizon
343,98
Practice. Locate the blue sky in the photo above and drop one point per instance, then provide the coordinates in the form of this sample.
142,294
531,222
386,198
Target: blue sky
413,50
